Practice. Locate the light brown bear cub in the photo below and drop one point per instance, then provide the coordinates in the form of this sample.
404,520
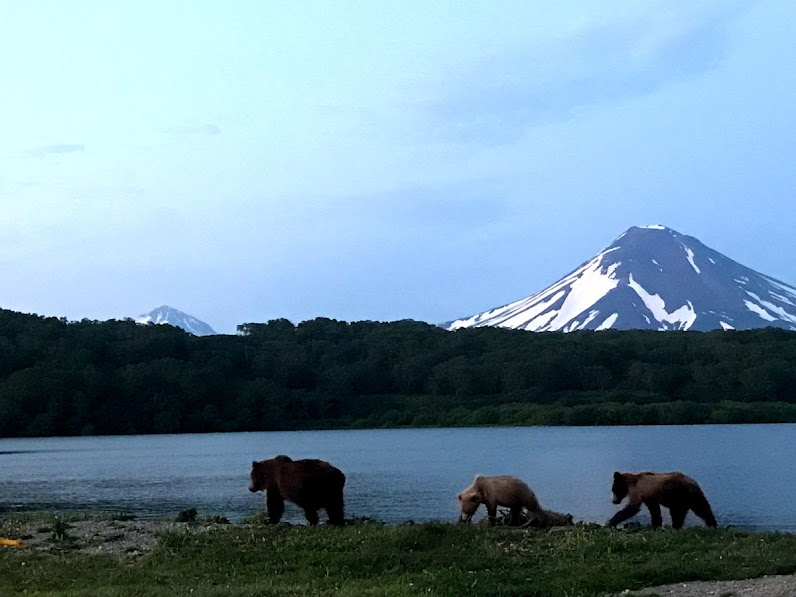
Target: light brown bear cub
675,491
502,490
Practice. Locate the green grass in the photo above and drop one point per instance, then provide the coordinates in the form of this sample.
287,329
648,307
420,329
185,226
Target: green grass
425,559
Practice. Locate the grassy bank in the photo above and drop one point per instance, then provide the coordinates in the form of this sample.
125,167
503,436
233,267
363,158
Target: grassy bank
425,559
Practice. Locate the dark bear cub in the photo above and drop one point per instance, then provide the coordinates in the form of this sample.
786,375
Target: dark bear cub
310,484
674,491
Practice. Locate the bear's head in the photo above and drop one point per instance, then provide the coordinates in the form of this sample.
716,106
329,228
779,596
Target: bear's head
259,476
619,488
469,500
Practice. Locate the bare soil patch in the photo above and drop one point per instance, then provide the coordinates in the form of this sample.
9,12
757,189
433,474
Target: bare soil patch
109,537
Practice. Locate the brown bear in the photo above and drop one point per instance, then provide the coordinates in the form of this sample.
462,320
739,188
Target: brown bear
675,491
502,490
310,484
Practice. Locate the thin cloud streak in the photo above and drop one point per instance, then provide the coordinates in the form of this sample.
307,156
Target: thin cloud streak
59,148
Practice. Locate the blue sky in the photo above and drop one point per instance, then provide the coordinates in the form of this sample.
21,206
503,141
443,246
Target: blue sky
370,160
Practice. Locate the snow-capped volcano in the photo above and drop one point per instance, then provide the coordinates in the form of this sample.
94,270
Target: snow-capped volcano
166,314
651,278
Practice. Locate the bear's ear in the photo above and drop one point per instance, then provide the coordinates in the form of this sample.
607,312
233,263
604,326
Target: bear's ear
617,475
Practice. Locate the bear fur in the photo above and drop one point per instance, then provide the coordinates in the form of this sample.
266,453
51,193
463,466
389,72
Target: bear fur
502,490
674,491
310,484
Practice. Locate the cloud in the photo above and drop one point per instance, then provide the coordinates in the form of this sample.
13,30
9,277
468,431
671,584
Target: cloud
204,129
495,100
45,150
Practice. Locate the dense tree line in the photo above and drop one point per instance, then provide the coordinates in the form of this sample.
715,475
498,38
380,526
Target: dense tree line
113,377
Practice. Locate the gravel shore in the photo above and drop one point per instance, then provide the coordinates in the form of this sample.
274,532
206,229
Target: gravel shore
766,586
112,537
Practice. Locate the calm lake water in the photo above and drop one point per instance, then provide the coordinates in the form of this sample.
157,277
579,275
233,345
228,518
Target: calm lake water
395,475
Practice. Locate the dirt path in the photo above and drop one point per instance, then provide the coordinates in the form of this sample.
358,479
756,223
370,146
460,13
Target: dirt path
766,586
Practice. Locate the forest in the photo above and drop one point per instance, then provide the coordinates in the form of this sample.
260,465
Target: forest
59,377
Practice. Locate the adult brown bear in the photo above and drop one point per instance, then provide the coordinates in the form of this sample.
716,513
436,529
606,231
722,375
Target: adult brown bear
675,491
310,484
502,490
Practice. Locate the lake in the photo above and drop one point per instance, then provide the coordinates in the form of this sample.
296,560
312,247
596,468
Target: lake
395,475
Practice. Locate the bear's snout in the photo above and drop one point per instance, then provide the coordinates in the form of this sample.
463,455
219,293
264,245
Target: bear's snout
616,499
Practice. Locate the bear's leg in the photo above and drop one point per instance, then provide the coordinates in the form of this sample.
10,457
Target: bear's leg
335,510
491,511
275,505
655,513
628,511
678,516
514,520
311,515
701,508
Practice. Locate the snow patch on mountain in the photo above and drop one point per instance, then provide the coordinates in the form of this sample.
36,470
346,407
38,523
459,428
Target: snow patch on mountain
690,255
593,283
609,321
760,311
681,318
772,307
784,287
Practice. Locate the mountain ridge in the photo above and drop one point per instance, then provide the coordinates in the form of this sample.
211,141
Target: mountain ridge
169,315
650,277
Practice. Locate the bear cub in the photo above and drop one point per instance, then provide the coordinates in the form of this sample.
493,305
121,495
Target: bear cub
674,491
502,490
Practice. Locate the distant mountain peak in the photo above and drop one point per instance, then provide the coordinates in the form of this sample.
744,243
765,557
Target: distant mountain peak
169,315
651,277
